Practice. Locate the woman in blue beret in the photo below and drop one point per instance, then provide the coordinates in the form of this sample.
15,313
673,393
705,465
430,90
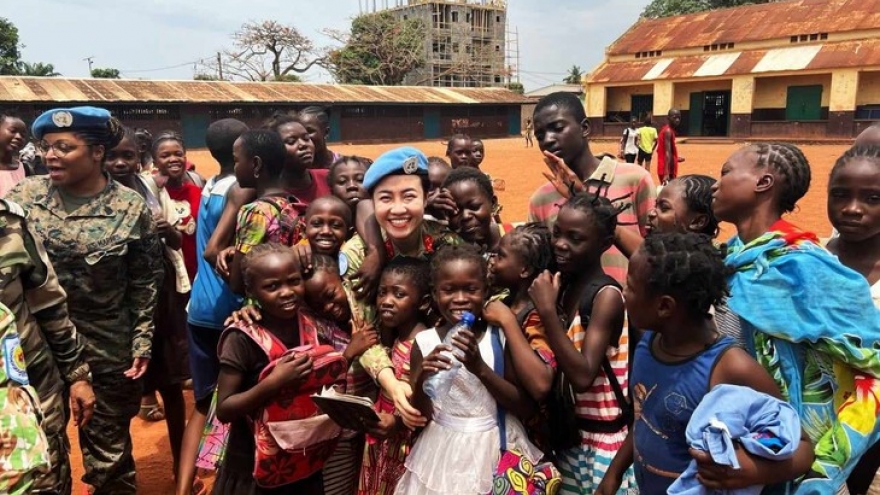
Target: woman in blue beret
102,241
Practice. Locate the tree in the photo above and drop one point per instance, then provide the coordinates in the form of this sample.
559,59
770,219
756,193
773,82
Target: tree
10,55
380,49
105,73
516,87
575,74
37,69
666,8
265,51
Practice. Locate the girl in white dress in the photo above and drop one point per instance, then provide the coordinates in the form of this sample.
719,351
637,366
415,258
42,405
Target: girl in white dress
459,449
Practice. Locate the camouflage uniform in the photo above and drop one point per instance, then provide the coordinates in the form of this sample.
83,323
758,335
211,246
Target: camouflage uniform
108,258
29,288
23,447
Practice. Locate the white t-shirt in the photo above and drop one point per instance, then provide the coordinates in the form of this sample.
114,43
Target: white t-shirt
630,147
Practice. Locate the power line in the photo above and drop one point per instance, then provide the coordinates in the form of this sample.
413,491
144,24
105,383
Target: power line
164,68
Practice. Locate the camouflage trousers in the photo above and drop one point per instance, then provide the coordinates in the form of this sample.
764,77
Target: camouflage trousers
55,415
106,440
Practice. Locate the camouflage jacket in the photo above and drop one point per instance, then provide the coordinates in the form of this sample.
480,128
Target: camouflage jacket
30,289
108,258
23,446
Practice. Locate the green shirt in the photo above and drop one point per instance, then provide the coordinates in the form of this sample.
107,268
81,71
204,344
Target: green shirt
108,258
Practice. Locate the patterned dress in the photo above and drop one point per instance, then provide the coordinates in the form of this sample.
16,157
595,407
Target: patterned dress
383,460
584,467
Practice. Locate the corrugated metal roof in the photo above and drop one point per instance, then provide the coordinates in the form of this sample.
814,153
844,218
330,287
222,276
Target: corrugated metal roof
749,23
56,89
850,54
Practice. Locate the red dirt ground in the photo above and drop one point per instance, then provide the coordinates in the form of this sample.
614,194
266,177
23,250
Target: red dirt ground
520,168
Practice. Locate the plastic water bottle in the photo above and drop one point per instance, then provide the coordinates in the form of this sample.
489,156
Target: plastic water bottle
438,385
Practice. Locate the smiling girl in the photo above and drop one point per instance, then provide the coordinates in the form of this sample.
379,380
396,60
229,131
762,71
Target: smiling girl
13,135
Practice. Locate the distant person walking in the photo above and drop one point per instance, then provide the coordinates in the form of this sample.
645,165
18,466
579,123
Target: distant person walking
528,133
667,150
629,150
646,139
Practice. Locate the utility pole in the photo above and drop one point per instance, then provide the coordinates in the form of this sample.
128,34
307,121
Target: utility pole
90,60
219,66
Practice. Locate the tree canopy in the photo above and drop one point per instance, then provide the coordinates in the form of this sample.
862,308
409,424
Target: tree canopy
265,51
575,74
10,55
666,8
381,49
37,69
105,73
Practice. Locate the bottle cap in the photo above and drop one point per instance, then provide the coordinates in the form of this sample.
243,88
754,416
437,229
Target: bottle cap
468,318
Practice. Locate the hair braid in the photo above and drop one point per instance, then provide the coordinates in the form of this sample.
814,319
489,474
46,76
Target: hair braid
532,241
788,161
259,251
688,267
867,152
698,197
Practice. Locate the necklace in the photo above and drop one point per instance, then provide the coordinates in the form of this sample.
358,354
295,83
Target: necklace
663,348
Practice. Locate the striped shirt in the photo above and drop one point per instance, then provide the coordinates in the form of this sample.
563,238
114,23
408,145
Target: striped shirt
625,180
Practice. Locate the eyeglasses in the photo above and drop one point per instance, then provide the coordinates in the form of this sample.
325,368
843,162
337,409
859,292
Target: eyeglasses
60,148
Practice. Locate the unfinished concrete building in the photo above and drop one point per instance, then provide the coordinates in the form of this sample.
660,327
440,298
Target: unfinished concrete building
465,42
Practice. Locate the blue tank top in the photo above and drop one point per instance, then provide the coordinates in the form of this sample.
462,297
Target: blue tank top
211,300
665,396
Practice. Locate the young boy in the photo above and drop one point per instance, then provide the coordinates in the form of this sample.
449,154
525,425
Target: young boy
628,148
561,129
260,158
460,151
211,299
667,150
646,139
479,152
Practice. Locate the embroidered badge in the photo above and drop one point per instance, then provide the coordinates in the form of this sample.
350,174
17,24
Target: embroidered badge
13,360
411,165
62,118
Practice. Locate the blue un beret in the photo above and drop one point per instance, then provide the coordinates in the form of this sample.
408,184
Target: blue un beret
407,159
70,120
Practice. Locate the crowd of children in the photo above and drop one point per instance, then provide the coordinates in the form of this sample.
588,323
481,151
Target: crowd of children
599,326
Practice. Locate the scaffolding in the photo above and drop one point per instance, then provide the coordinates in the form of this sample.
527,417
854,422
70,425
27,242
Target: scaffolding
466,42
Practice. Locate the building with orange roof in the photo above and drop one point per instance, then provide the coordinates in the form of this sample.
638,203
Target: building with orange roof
797,69
357,113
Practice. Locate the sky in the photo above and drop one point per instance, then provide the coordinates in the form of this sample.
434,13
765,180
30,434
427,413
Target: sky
163,39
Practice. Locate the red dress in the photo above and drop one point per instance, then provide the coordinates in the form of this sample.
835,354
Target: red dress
383,460
661,154
186,199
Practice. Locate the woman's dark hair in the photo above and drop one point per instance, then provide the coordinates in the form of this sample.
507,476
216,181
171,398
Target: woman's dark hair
107,136
532,242
867,152
319,113
463,252
603,210
789,162
166,136
689,268
470,174
259,251
415,270
268,146
698,197
279,120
